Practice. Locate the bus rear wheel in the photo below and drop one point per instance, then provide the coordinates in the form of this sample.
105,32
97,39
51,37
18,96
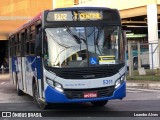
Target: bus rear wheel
19,92
99,103
37,101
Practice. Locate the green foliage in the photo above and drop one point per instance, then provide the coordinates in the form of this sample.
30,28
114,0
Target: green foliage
153,75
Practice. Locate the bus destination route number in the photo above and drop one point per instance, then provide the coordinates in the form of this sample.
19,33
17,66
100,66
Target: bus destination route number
77,16
60,16
107,82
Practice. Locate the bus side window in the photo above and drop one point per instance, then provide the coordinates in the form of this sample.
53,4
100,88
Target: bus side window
38,41
12,46
17,45
22,43
32,40
27,43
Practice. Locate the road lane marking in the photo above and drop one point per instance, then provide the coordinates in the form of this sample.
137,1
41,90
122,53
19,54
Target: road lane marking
142,90
3,83
133,91
11,108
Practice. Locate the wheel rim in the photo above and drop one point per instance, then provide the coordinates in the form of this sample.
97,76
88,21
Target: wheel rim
36,94
37,97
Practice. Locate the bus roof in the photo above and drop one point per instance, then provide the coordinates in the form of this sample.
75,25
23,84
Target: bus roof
28,23
83,8
39,16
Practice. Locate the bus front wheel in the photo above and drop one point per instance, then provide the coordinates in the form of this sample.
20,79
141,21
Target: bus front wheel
99,103
37,101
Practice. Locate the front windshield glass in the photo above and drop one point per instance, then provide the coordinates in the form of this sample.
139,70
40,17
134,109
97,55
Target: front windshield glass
82,46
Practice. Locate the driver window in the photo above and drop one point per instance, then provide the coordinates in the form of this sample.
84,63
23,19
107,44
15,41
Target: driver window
109,44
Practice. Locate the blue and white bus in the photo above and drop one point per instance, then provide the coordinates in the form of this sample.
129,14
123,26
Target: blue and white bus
70,55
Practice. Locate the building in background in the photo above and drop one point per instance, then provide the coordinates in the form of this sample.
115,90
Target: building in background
139,18
14,13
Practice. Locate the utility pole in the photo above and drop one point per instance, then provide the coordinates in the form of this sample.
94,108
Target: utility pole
130,59
139,55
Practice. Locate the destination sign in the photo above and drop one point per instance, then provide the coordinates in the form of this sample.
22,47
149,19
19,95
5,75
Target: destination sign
60,16
90,16
74,16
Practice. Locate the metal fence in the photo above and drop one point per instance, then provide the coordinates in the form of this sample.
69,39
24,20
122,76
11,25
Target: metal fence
142,60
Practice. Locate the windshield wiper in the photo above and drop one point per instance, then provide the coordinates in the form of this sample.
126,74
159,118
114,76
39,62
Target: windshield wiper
75,37
96,41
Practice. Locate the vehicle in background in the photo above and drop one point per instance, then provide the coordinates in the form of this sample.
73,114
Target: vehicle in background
4,68
144,57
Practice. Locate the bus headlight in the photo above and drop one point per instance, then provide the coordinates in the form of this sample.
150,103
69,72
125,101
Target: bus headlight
50,82
119,81
55,85
58,87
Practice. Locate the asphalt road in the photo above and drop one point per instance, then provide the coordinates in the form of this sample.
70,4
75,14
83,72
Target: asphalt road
137,102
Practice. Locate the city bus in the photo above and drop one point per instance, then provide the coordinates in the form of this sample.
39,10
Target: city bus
69,55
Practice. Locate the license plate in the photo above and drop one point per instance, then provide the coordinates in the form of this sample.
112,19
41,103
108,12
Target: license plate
90,95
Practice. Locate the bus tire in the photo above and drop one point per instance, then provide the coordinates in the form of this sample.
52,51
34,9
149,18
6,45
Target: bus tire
19,92
38,103
99,103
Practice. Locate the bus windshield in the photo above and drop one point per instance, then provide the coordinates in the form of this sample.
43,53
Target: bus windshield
82,46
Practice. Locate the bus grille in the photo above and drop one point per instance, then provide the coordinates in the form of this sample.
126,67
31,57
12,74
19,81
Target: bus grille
87,72
78,93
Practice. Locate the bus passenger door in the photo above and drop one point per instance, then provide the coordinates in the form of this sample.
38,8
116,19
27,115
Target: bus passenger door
23,74
23,37
30,62
19,76
38,52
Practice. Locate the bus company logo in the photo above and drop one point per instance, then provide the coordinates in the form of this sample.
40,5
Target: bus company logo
88,76
6,114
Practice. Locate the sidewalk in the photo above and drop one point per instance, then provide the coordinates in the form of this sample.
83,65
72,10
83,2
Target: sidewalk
148,84
4,76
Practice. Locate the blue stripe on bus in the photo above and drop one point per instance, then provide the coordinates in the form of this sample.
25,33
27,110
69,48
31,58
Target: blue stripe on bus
38,64
53,96
31,64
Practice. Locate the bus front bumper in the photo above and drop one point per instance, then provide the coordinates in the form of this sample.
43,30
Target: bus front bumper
54,96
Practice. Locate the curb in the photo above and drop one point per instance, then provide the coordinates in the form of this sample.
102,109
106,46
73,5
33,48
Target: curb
145,85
